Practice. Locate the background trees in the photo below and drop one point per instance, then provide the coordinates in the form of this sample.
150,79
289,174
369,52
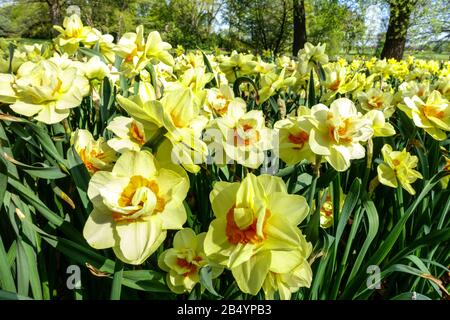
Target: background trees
382,27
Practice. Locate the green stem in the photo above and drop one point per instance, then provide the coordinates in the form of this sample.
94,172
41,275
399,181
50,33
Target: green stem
401,210
336,200
156,139
368,163
117,280
343,264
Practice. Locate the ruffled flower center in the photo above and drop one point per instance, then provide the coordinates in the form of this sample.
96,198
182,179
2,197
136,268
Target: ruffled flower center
245,235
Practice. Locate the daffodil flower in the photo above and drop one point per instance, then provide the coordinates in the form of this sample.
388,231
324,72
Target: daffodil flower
180,117
131,134
134,206
245,137
252,228
289,277
337,81
44,90
326,209
95,69
445,180
433,115
338,132
137,52
310,56
221,101
381,128
293,138
95,154
273,82
73,33
398,169
375,99
184,261
238,65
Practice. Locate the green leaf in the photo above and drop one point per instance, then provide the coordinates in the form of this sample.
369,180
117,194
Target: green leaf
242,80
91,53
23,274
206,280
117,280
311,91
44,171
388,243
319,70
213,81
6,278
410,296
372,218
6,295
349,205
80,177
3,181
145,280
151,69
28,196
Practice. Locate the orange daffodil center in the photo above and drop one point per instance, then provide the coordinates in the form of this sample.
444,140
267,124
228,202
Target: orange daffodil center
245,234
184,260
337,133
252,230
134,206
433,115
398,169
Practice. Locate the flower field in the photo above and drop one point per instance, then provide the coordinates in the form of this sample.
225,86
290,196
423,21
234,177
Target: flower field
133,170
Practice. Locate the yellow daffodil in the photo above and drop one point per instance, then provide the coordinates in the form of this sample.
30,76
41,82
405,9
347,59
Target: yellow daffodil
157,50
105,44
375,99
337,133
433,115
398,169
293,138
134,206
381,128
245,137
184,261
131,134
310,56
131,47
180,117
262,67
289,277
326,210
195,80
95,69
95,154
137,53
221,101
44,90
73,33
446,179
337,82
238,65
252,228
443,86
273,82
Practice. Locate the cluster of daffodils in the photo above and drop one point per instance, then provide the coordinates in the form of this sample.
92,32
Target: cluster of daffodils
168,120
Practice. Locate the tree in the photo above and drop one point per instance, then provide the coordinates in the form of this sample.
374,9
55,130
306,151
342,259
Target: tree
400,13
299,26
260,25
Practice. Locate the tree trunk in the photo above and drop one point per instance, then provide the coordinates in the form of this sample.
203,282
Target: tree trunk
55,11
299,26
400,12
